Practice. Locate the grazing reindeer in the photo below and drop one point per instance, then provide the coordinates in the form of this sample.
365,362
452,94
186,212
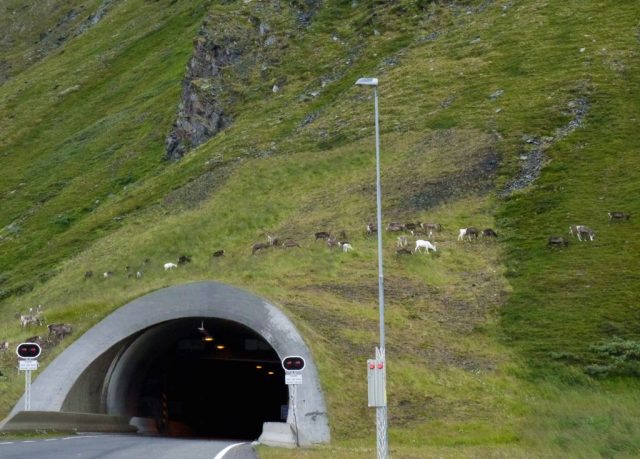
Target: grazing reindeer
322,235
557,241
346,247
184,259
259,246
422,244
581,231
616,215
332,242
489,233
431,227
59,330
468,232
402,241
371,228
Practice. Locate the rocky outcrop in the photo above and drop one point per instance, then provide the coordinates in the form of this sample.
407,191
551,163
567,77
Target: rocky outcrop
202,112
227,51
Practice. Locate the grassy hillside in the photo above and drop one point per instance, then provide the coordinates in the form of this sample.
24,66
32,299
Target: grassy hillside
497,348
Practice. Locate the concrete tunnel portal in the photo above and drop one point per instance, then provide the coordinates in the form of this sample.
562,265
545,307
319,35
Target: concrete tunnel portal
198,377
199,359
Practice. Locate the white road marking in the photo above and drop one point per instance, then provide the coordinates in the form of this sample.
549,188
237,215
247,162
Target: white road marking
51,439
85,436
221,454
7,443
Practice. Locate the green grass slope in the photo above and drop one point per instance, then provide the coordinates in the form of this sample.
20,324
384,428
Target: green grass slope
496,349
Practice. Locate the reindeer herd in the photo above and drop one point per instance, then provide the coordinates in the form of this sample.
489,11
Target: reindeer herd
405,245
584,233
35,319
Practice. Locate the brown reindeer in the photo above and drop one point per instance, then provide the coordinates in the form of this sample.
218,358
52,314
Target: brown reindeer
259,246
322,235
557,241
371,228
289,243
618,216
395,227
488,232
332,242
59,330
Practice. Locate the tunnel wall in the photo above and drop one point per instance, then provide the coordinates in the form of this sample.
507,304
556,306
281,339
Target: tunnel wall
59,387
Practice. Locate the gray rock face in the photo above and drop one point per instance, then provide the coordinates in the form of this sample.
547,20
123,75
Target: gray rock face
226,53
201,113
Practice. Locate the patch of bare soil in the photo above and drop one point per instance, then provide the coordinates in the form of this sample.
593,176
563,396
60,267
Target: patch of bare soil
328,323
199,189
475,178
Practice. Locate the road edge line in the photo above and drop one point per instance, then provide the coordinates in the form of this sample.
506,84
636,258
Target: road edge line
221,454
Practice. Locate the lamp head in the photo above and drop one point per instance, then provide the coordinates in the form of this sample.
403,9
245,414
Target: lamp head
367,82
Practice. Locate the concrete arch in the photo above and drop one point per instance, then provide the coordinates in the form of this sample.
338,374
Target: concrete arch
75,380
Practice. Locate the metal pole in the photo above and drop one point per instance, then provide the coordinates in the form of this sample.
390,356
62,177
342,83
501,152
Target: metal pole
381,411
27,390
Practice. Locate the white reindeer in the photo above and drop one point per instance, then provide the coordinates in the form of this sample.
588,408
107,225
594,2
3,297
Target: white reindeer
421,243
170,266
346,247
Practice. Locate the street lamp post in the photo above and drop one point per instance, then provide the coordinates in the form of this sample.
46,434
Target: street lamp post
381,409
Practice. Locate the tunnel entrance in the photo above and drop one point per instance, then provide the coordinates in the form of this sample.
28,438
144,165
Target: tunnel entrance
148,364
205,377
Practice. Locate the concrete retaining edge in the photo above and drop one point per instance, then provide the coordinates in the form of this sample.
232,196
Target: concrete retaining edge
65,421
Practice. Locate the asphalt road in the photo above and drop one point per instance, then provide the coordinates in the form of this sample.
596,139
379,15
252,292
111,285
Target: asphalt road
114,446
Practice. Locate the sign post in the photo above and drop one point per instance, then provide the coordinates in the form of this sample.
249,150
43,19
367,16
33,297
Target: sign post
293,366
28,353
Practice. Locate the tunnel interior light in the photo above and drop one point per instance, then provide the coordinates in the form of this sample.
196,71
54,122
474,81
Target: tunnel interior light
258,367
220,346
271,373
208,339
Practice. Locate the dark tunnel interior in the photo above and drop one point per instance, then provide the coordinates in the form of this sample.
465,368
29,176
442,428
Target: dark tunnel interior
212,378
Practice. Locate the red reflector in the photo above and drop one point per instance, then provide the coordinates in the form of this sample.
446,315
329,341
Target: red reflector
380,366
371,366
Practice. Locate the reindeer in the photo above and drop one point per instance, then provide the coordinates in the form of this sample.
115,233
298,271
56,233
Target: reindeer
618,216
289,243
557,241
371,228
259,246
59,330
322,235
488,232
332,242
184,259
581,231
426,245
